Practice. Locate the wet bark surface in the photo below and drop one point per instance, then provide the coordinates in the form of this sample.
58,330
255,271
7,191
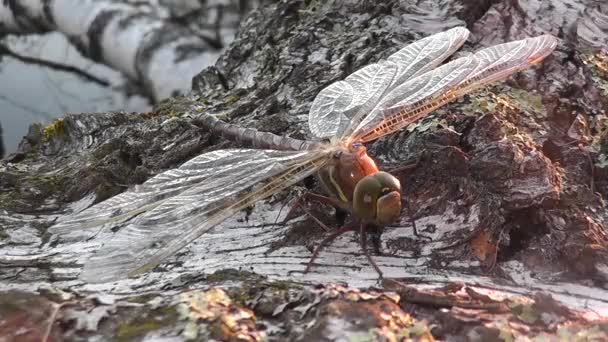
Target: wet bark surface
509,184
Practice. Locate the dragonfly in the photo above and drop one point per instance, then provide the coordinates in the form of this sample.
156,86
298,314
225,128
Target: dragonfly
172,209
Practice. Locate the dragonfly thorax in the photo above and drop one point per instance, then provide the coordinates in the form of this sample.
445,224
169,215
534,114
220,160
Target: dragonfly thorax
347,167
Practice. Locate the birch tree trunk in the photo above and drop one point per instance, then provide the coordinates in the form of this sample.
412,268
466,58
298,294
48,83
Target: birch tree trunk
133,38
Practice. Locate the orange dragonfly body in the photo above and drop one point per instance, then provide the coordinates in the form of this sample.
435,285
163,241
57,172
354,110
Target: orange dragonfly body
174,208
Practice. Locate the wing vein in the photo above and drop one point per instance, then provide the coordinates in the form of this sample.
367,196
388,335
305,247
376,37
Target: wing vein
161,232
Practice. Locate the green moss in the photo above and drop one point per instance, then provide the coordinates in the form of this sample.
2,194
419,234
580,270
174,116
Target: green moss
163,108
284,285
4,203
155,320
251,281
602,86
419,329
142,299
54,129
105,190
506,102
44,185
31,189
239,295
597,63
528,101
169,313
170,107
270,63
232,99
50,182
431,124
103,151
311,5
369,336
232,274
581,333
35,134
479,104
129,331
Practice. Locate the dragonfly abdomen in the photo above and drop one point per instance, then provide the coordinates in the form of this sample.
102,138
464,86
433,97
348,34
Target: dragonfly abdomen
252,137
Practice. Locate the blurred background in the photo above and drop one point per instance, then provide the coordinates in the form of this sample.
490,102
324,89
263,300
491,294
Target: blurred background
44,74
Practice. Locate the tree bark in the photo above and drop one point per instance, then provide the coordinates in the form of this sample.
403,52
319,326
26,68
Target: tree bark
510,185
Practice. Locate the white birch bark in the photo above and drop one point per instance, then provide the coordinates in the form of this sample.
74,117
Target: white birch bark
134,39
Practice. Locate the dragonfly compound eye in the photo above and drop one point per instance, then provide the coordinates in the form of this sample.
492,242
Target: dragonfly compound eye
388,205
377,198
388,208
388,181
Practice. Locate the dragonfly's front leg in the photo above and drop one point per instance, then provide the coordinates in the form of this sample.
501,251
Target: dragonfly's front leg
413,221
408,167
311,196
344,229
363,242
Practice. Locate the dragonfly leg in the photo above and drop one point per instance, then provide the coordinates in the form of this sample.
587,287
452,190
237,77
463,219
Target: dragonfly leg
413,221
406,168
374,238
311,196
344,229
409,166
317,221
363,241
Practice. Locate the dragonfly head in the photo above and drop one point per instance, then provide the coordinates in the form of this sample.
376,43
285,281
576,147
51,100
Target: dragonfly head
377,198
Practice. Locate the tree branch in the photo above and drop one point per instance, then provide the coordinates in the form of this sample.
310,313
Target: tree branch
32,110
4,50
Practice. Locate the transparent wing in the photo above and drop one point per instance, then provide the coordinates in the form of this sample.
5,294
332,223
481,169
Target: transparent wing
333,108
174,222
340,104
416,98
150,194
219,165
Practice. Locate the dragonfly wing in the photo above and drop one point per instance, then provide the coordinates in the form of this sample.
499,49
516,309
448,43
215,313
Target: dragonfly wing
326,115
425,54
416,98
177,221
340,104
146,196
333,108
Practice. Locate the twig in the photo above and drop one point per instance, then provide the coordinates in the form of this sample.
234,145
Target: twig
414,296
49,327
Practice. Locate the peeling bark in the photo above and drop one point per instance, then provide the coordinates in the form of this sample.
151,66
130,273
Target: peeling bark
510,185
